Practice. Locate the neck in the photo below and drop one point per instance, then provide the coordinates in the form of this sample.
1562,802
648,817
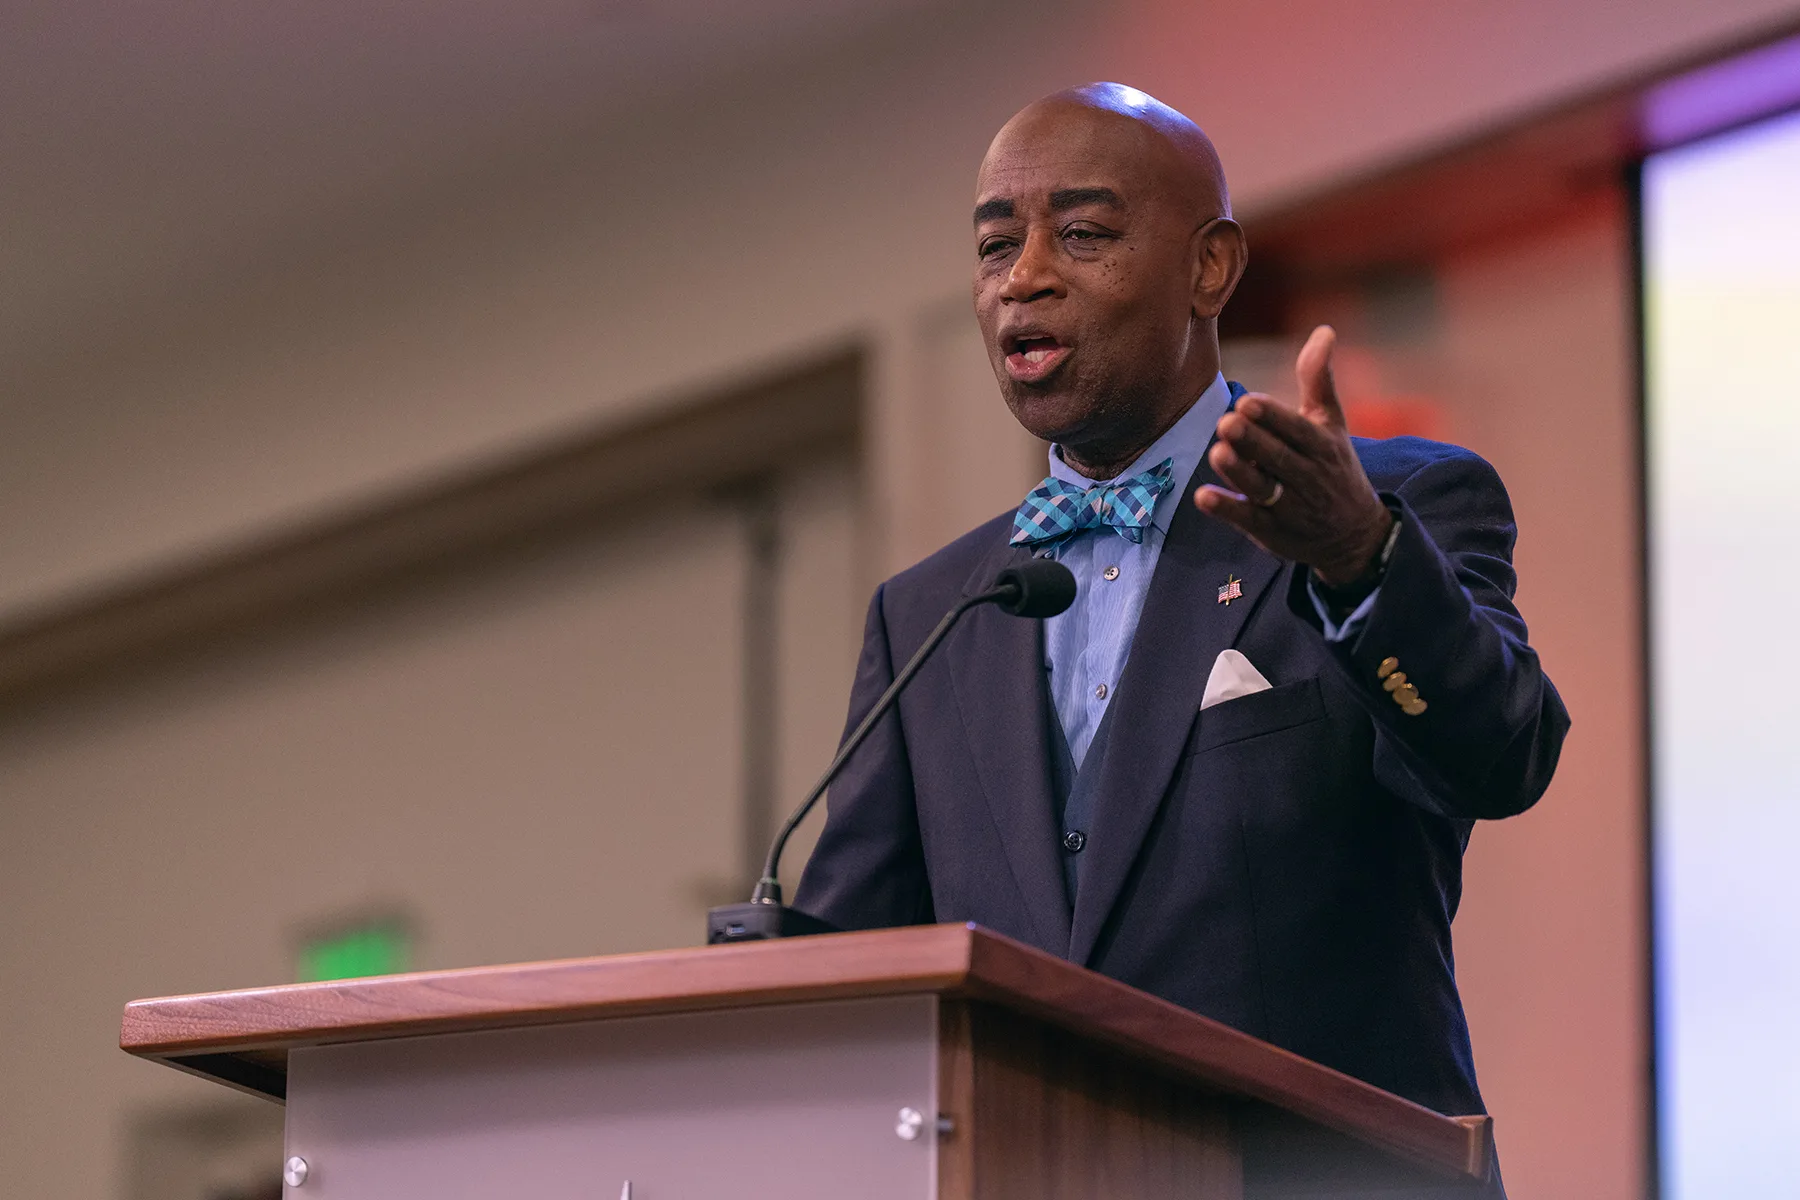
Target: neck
1110,451
1105,457
1105,463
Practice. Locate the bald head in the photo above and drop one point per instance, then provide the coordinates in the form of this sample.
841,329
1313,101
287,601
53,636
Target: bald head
1167,140
1105,251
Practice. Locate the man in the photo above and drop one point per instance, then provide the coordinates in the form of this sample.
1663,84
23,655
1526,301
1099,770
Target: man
1240,772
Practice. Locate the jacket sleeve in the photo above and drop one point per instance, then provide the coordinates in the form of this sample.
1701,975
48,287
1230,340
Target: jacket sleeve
1492,727
868,869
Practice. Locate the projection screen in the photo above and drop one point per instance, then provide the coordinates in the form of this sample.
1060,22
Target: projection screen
1721,245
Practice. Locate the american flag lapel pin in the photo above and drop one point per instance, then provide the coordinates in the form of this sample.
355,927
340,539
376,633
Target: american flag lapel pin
1231,589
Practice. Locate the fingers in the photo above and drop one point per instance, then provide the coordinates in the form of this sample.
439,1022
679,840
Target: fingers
1241,474
1318,391
1274,437
1233,509
1257,436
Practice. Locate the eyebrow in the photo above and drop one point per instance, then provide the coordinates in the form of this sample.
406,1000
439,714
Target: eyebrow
1067,198
1061,200
993,210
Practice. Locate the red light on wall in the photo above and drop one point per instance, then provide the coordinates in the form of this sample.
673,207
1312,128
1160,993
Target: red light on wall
1395,416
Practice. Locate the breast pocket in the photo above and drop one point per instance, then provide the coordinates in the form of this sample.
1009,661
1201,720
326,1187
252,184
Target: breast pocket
1259,713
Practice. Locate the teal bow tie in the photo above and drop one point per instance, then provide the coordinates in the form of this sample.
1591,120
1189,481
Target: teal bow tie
1055,509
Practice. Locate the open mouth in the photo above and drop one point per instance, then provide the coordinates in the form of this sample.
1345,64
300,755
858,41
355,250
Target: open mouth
1032,357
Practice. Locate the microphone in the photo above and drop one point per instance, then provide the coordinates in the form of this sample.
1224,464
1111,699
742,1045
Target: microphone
1038,587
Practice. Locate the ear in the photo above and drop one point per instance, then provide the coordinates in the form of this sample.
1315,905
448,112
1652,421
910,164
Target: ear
1220,254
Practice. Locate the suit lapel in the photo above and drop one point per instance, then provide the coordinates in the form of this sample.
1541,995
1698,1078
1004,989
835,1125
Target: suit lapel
1181,631
996,669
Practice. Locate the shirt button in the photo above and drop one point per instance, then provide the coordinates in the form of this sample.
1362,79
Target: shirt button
1110,573
1100,691
1074,840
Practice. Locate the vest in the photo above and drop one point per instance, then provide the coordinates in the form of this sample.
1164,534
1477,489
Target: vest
1074,793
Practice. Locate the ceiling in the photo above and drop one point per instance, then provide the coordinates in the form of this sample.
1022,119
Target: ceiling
144,147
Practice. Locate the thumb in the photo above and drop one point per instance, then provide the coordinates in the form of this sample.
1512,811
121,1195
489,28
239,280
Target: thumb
1318,392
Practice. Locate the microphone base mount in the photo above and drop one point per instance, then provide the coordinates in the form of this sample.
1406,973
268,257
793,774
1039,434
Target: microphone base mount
757,922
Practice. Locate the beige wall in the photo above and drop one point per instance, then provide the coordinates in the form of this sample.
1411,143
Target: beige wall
1536,356
1526,347
617,260
164,835
538,761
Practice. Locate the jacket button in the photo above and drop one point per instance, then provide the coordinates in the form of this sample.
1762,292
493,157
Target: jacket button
1074,840
1388,666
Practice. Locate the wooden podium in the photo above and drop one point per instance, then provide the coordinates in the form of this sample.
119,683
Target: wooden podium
940,1061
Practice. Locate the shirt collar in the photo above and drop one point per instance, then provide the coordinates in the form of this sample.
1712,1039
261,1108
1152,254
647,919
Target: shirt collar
1185,442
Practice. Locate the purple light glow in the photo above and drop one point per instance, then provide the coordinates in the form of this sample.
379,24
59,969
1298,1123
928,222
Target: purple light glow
1757,84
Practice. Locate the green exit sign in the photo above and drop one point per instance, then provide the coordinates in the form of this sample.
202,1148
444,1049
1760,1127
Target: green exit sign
354,950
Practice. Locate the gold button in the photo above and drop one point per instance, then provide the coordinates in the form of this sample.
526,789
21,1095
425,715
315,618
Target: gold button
1396,680
1388,666
1413,709
1110,573
1404,696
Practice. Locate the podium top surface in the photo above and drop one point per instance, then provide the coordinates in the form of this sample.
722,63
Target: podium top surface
241,1038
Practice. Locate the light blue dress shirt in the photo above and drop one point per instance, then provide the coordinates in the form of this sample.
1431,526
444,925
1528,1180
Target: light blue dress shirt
1086,645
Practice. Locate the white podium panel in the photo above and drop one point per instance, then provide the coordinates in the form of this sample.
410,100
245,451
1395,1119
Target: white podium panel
795,1101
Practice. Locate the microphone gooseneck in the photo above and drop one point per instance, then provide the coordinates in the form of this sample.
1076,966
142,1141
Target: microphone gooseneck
1039,587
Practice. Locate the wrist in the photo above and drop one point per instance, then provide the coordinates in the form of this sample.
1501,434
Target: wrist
1362,564
1341,596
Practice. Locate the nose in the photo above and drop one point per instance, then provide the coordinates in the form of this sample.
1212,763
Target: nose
1034,275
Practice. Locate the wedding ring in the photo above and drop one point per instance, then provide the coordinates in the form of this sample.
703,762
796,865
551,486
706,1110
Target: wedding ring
1274,497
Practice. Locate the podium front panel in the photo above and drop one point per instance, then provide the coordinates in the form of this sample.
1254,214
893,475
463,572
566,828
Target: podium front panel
797,1101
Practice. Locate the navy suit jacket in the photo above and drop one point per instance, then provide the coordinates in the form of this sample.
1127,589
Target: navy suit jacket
1287,862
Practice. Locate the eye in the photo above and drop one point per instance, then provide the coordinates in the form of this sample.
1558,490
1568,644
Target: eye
1085,236
994,247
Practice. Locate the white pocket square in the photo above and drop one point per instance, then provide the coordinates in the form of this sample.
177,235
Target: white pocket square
1232,676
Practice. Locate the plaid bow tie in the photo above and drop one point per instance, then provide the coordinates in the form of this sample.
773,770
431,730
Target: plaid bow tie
1056,509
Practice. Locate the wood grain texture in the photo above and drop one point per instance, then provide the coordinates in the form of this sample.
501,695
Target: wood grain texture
955,961
956,1100
1045,1114
1164,1033
838,966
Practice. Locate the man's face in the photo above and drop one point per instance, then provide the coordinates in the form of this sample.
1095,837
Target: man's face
1084,277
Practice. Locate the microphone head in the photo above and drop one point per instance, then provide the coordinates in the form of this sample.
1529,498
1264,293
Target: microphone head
1038,587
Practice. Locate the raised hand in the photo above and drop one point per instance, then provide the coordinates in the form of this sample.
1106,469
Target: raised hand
1299,490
